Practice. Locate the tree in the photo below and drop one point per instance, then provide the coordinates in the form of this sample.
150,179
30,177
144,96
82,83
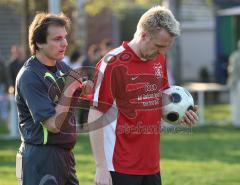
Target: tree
95,6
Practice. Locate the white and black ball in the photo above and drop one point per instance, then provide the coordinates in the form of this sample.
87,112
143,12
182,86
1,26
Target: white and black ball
176,101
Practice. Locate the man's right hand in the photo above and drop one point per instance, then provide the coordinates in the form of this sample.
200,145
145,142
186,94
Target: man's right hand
103,177
73,82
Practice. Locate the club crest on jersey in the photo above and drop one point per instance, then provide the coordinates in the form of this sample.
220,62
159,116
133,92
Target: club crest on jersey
158,71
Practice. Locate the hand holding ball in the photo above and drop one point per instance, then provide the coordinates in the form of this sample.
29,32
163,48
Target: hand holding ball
176,101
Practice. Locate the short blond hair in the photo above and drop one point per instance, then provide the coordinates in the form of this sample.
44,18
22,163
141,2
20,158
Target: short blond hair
156,18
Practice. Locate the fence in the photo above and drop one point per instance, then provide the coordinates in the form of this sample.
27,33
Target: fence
8,117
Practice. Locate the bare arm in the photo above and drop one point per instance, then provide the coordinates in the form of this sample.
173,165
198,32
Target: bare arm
102,176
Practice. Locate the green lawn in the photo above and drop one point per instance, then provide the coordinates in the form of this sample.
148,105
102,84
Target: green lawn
219,112
3,128
207,155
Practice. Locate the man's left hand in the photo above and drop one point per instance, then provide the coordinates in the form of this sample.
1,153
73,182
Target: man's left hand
190,118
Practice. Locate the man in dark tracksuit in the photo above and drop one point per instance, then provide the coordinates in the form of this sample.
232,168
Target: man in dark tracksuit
47,124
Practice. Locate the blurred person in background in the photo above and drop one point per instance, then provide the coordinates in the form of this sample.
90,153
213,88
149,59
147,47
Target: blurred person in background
76,63
4,103
106,45
76,59
3,76
93,56
87,70
14,64
234,84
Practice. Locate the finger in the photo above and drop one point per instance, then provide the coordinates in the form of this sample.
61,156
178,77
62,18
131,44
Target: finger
190,116
195,108
187,120
195,116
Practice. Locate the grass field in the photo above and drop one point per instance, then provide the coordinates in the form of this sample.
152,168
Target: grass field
207,155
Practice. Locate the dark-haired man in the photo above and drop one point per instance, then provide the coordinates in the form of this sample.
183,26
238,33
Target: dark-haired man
43,95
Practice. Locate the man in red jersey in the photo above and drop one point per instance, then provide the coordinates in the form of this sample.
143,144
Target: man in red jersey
129,80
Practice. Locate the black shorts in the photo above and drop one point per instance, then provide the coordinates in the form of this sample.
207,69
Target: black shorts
45,165
126,179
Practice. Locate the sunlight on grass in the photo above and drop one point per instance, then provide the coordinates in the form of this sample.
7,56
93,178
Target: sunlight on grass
177,172
219,112
209,156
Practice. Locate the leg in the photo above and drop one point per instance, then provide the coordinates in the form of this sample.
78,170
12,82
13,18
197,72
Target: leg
72,178
126,179
46,165
37,165
154,179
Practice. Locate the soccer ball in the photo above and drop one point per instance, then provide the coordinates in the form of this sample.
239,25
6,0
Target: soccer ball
176,101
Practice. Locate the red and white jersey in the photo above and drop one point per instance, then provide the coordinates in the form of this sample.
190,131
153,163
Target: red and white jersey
132,88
